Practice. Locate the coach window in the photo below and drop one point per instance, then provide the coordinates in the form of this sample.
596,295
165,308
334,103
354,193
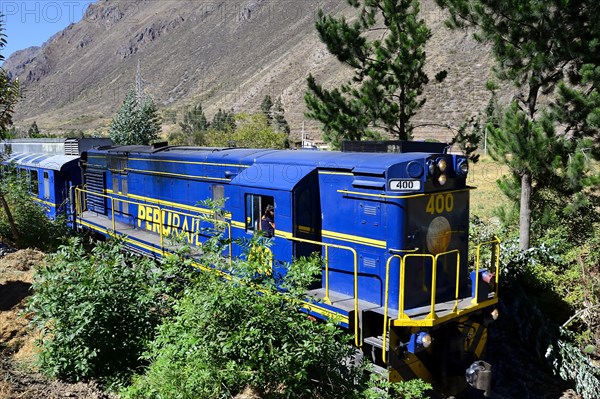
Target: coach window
46,185
255,207
22,174
33,179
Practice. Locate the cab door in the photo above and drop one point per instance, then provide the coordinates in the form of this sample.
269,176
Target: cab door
307,216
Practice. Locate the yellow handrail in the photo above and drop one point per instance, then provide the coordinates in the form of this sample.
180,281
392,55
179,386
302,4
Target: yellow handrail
386,322
355,259
496,244
401,314
162,212
326,299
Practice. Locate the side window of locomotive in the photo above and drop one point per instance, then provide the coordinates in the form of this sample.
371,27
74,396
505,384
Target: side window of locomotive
46,185
33,179
255,207
218,196
218,192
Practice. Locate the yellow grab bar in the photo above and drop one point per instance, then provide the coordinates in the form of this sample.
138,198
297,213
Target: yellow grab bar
496,244
355,260
161,211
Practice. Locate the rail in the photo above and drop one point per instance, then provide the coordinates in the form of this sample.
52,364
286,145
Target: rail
80,206
495,254
355,261
431,316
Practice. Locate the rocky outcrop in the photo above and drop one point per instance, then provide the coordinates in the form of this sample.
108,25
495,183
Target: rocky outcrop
19,61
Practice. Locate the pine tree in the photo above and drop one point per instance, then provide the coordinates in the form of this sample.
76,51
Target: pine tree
389,78
578,107
281,124
137,121
537,44
135,124
266,107
34,131
224,120
194,125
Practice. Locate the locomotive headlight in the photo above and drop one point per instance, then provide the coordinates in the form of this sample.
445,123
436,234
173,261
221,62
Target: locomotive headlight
442,165
442,179
463,167
431,167
424,339
494,313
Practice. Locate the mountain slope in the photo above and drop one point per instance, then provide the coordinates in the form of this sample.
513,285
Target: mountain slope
226,54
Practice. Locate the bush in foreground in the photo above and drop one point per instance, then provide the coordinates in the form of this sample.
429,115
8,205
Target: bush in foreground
224,337
227,334
220,333
34,229
96,312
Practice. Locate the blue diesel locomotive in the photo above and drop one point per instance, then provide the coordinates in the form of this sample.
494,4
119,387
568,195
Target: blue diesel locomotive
392,229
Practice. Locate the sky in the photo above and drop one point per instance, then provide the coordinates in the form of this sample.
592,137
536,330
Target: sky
31,22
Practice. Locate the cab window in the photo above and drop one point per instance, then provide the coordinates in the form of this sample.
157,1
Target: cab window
255,208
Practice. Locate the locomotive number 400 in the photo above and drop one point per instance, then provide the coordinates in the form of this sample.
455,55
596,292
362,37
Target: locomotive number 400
440,203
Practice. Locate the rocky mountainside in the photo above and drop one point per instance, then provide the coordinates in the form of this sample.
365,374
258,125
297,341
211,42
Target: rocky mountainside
225,54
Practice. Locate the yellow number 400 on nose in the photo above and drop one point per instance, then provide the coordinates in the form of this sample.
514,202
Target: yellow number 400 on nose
440,203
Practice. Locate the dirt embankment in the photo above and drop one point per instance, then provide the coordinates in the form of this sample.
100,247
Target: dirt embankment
18,378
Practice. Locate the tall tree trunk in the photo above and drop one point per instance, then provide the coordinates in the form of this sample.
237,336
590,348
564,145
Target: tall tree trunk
11,220
525,213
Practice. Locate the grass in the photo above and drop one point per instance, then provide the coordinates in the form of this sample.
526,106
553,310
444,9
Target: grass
487,196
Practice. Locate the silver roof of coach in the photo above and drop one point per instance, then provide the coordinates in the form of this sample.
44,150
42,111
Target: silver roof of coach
45,161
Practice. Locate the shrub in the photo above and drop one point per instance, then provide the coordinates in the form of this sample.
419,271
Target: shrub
96,311
34,228
224,337
227,334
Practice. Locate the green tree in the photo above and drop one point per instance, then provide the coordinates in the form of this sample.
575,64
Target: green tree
385,47
9,95
194,120
266,106
578,107
537,45
251,131
34,131
136,122
254,131
275,114
194,125
281,124
223,120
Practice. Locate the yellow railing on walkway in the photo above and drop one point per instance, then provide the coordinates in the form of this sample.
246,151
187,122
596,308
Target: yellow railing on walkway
327,300
494,262
402,316
403,319
81,206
